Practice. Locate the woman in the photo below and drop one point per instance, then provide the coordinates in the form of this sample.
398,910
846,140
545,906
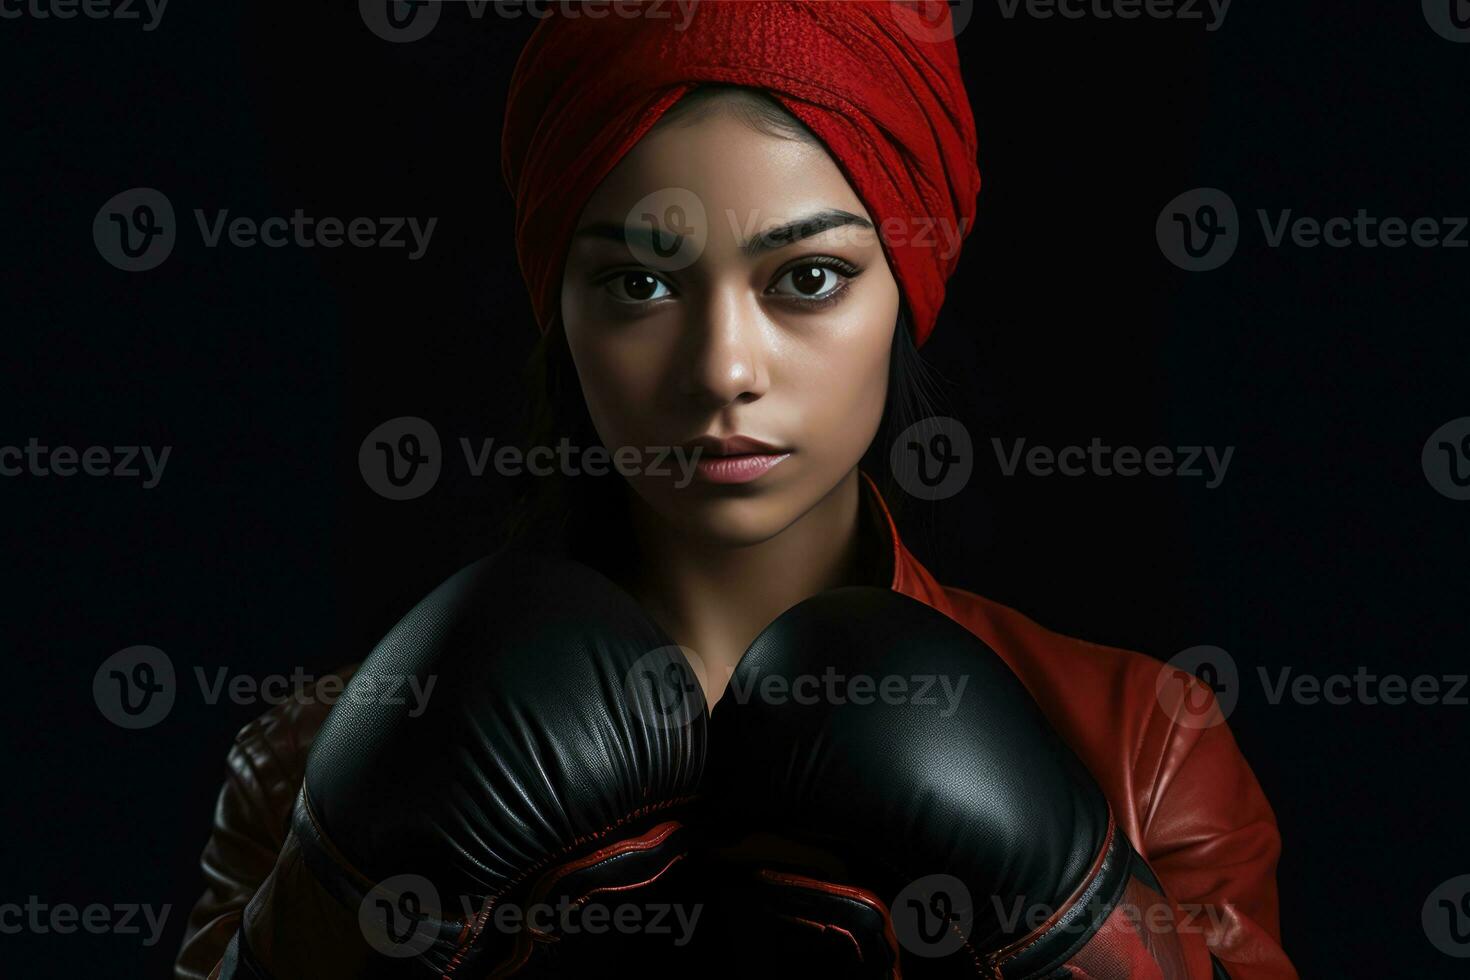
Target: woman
728,226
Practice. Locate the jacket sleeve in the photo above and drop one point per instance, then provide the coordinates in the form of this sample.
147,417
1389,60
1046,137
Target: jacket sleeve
1212,840
265,767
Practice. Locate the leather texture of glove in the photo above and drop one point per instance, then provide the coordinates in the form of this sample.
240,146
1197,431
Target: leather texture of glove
1180,790
545,774
896,803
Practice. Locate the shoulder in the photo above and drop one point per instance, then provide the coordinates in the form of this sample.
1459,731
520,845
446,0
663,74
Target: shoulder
265,766
285,726
1134,720
267,759
1102,683
1034,651
1156,740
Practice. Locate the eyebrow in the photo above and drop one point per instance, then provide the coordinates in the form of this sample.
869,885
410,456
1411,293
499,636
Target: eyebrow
805,227
768,241
621,234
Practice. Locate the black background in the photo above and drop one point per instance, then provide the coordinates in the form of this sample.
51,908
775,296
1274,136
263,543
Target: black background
262,549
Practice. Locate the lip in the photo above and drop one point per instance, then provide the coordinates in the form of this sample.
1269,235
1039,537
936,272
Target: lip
735,459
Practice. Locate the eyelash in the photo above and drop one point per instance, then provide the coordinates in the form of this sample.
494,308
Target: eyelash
843,268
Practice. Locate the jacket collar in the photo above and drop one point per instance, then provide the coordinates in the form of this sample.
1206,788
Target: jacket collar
909,576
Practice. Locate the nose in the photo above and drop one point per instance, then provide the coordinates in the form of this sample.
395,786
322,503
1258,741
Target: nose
728,350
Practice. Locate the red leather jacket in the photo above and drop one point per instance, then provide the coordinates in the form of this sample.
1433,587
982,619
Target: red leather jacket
1180,790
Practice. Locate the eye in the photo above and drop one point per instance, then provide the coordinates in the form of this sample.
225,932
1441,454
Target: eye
814,281
637,287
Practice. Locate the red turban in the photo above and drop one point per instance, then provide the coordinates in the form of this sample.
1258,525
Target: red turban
878,82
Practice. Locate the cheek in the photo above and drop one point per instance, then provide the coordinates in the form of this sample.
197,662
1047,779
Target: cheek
845,393
618,384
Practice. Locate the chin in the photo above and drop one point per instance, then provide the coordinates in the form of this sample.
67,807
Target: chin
727,516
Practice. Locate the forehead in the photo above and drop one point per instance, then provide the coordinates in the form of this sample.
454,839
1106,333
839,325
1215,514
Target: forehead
745,179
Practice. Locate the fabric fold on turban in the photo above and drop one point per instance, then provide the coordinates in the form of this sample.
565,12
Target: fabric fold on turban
877,82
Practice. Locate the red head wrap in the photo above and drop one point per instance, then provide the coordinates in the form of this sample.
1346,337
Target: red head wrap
878,82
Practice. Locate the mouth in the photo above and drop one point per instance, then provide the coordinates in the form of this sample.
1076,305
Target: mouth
735,459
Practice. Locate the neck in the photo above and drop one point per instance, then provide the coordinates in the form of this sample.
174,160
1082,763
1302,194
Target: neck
715,598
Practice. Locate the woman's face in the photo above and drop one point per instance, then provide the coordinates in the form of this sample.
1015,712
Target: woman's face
727,283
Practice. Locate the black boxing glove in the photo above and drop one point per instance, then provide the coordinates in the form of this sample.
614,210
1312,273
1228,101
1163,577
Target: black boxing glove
473,834
894,801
